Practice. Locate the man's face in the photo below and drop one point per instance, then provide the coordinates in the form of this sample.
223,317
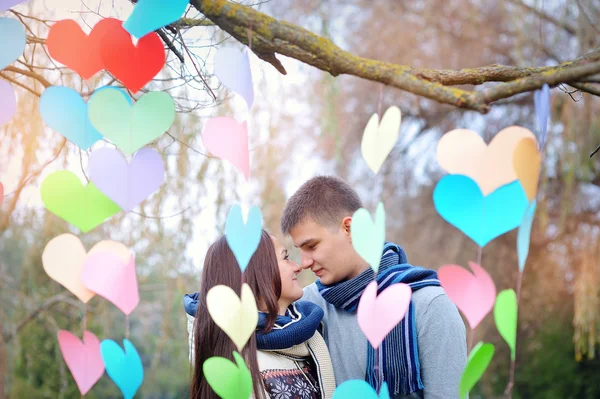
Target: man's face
327,251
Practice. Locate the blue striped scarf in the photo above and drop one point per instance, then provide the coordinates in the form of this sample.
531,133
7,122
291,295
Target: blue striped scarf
399,350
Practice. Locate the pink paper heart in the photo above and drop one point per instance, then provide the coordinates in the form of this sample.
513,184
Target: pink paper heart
83,358
107,275
473,294
378,315
226,139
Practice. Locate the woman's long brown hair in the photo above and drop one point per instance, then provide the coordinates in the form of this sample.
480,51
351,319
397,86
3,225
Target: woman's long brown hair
221,267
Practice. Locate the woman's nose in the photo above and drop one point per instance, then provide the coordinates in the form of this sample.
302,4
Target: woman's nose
297,268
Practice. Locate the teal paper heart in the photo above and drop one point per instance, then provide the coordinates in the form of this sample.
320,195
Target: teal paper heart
124,368
243,238
368,238
459,201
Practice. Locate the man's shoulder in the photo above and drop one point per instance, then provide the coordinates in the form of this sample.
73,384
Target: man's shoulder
433,303
311,293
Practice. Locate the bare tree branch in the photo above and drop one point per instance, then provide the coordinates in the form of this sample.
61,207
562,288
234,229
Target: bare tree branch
271,37
548,18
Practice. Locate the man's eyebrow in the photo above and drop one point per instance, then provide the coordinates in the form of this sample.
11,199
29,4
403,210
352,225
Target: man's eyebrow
306,242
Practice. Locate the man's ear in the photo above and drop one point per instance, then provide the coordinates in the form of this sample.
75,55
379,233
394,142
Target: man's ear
346,222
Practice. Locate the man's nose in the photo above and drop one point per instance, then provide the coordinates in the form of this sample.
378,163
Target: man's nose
307,261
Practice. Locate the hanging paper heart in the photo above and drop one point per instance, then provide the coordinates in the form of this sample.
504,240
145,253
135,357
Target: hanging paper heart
69,45
379,138
228,380
243,238
130,128
524,235
232,68
236,317
459,201
123,367
226,139
85,207
8,101
63,109
368,238
6,4
474,294
541,101
377,315
359,389
477,362
12,41
150,15
505,314
63,259
83,358
107,275
527,162
133,65
127,184
464,152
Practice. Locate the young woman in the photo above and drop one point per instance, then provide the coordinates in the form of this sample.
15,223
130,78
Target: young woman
287,356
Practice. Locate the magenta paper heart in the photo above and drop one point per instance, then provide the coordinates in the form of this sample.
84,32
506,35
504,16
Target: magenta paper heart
226,139
378,315
473,294
127,184
107,275
83,358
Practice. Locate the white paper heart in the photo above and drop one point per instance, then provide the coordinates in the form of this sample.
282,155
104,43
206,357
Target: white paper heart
379,138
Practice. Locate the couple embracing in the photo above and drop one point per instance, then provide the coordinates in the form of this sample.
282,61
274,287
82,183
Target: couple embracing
308,341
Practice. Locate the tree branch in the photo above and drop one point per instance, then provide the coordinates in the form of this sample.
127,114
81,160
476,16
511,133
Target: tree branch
271,36
548,18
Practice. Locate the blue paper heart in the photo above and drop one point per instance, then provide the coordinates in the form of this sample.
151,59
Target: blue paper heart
459,201
243,239
124,368
150,15
524,235
12,41
359,389
541,101
64,110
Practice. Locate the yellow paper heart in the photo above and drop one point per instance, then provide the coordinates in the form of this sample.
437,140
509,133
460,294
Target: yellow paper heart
379,138
464,152
63,260
527,162
64,256
237,318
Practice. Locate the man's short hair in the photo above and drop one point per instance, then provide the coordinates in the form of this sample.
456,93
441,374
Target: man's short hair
324,199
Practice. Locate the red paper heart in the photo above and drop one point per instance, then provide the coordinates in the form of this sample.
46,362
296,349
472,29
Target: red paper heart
69,45
134,66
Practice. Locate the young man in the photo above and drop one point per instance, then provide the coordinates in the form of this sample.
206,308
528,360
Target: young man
424,356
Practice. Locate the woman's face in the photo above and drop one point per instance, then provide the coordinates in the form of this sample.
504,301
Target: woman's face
288,270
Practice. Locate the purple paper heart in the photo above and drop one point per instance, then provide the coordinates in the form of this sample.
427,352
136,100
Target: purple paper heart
8,101
127,184
6,4
541,101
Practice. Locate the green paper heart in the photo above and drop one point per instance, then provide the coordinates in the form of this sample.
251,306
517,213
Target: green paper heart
226,379
85,207
477,362
505,314
368,238
131,127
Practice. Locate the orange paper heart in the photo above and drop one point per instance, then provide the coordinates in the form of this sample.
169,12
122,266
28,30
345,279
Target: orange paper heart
527,162
464,152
